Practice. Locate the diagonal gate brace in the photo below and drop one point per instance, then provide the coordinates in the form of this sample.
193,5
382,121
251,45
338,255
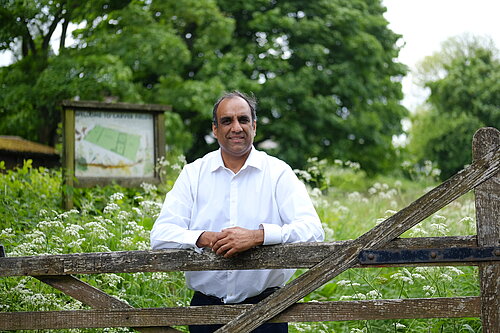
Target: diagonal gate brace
394,226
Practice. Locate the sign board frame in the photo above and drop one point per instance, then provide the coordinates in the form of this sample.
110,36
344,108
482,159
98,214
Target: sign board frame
74,112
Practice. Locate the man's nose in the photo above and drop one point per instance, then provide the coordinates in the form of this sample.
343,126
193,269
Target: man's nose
236,127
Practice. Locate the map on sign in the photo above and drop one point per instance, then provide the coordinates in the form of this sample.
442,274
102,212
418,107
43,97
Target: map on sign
122,143
114,144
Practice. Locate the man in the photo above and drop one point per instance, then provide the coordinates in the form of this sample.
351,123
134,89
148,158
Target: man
231,200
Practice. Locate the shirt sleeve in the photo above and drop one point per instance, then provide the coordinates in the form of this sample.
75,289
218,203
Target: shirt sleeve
171,229
299,220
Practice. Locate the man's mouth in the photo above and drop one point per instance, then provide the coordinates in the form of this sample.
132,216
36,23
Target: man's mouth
236,138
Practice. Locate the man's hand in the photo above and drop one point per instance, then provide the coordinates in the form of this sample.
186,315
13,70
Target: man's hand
236,239
208,239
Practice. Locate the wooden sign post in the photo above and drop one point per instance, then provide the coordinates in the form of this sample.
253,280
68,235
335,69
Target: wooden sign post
106,143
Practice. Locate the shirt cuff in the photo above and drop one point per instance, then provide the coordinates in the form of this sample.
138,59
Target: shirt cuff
192,237
272,233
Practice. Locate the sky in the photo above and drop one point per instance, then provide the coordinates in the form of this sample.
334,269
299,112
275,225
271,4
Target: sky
424,25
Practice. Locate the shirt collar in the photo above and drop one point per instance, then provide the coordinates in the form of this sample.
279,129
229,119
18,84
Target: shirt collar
254,160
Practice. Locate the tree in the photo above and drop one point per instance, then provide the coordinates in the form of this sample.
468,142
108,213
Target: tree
464,80
329,86
323,71
33,87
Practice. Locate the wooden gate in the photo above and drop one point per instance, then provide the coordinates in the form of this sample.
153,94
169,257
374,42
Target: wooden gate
324,260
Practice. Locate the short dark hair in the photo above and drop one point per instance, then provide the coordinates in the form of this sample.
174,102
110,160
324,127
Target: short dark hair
252,103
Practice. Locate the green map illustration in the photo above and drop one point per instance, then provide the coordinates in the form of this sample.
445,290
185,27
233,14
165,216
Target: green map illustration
122,143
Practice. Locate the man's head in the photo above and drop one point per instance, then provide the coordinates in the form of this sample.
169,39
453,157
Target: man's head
252,104
234,124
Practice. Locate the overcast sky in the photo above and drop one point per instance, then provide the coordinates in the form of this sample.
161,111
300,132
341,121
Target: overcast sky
425,24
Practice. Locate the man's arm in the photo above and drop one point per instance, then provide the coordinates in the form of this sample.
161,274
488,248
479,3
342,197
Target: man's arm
299,220
171,229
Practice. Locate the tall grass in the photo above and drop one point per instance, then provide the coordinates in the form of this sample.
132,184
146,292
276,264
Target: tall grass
113,218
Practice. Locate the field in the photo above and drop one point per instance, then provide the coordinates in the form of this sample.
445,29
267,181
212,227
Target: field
113,218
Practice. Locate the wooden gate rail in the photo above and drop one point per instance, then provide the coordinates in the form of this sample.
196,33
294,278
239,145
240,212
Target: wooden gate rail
415,308
324,260
299,255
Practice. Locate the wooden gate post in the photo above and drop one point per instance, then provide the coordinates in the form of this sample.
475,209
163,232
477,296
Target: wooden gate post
487,196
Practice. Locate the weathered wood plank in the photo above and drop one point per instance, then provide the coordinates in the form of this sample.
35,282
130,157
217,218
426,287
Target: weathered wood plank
115,106
481,170
300,312
487,197
300,255
94,297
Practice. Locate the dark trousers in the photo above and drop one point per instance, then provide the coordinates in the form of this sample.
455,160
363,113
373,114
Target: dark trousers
202,299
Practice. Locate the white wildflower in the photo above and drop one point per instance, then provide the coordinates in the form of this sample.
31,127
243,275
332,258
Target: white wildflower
142,245
315,193
111,207
355,196
440,228
418,276
429,290
126,242
402,277
49,225
467,219
446,277
303,174
123,215
149,188
102,248
96,229
111,279
116,197
374,294
151,207
353,165
455,270
344,283
438,218
6,233
76,243
418,231
357,330
137,211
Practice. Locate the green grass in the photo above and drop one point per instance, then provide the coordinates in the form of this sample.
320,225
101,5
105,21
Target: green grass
112,218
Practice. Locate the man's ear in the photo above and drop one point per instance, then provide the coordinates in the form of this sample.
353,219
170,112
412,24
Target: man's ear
214,130
254,128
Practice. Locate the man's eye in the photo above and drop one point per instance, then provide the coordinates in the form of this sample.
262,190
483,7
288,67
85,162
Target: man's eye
225,121
244,120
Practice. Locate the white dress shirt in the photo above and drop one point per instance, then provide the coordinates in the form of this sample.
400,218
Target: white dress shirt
264,194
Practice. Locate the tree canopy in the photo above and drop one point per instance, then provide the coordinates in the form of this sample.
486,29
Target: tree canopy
323,71
464,80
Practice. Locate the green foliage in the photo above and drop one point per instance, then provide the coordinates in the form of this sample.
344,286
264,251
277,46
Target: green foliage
329,86
464,79
323,70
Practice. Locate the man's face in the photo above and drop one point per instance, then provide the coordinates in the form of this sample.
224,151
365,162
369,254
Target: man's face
235,128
